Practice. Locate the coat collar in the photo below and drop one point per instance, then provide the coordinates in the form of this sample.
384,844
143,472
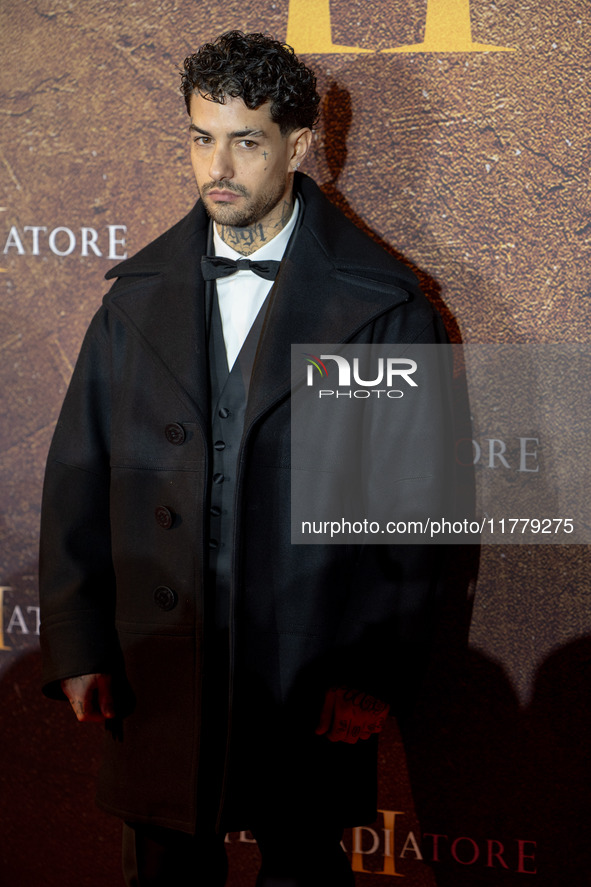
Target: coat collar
159,294
333,282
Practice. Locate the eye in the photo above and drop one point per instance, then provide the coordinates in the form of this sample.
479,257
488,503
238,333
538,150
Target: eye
201,140
248,143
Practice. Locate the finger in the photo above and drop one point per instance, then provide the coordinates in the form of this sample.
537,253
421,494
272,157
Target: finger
369,722
78,707
339,731
367,731
85,710
74,697
91,712
360,722
354,733
327,713
370,728
81,692
342,717
105,696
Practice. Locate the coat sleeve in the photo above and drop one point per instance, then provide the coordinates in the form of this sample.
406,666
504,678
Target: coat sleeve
77,584
397,591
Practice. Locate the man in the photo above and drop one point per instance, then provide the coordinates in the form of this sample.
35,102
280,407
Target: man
240,677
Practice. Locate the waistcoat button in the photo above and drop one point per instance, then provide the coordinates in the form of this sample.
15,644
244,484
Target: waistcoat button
164,516
218,478
165,597
219,445
224,413
175,434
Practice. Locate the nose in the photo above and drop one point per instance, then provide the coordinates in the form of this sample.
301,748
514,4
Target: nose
221,166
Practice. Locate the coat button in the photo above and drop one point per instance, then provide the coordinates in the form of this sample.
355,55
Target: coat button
215,511
164,516
175,434
213,543
165,597
218,478
219,445
223,413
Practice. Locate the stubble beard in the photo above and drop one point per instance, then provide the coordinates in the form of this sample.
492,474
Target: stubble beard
252,212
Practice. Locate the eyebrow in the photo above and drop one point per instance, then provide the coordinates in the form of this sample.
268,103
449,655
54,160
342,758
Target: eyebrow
237,134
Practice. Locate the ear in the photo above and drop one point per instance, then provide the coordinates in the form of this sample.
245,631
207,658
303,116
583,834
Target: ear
300,141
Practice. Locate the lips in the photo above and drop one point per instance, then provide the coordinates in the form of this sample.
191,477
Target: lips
223,196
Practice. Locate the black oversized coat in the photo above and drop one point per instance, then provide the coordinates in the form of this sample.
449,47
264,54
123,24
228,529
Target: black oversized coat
123,592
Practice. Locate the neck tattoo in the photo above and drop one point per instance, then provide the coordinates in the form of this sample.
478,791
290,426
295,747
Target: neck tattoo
248,239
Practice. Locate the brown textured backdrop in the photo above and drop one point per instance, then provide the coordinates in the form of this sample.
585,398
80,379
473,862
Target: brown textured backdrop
472,166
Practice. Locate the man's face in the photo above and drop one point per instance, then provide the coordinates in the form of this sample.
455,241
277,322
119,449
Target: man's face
242,163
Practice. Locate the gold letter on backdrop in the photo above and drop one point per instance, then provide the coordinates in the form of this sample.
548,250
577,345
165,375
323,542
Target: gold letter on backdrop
389,845
308,28
447,29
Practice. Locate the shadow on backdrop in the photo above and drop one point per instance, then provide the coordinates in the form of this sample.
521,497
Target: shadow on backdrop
513,781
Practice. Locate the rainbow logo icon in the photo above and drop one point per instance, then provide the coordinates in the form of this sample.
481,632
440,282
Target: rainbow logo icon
313,361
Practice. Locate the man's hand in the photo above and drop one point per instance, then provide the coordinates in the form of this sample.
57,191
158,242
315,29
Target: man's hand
348,715
90,696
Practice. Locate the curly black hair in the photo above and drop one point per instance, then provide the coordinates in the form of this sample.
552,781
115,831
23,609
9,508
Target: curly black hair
257,69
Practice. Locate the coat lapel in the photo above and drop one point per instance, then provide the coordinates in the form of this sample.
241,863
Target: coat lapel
317,298
161,295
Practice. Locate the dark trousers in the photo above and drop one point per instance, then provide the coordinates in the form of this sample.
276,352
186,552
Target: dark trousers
158,857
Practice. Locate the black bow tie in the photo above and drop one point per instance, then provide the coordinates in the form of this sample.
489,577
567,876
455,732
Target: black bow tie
219,266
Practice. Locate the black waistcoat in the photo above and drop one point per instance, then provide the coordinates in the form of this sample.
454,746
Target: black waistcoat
228,398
